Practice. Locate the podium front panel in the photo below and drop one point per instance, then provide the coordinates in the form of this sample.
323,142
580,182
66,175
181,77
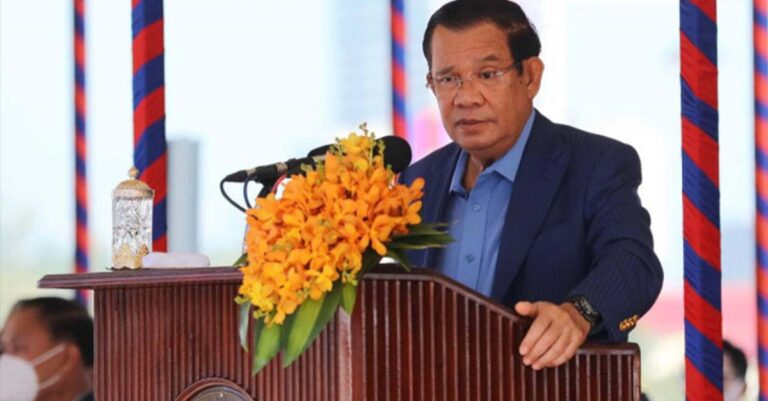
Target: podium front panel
172,334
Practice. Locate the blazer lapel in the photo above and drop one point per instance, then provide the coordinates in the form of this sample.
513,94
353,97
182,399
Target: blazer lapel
436,194
544,161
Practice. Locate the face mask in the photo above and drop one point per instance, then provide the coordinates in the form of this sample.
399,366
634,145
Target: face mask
733,392
21,373
18,380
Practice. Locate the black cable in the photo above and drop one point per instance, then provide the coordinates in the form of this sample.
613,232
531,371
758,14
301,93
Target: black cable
245,192
265,190
232,202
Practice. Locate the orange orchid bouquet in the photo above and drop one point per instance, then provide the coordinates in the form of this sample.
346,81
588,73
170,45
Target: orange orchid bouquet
307,250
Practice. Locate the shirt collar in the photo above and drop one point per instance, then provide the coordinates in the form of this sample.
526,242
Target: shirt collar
506,167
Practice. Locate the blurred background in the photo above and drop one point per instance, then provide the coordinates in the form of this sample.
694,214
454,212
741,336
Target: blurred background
251,82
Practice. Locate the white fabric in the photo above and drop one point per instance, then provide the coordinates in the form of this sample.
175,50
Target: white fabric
18,380
166,260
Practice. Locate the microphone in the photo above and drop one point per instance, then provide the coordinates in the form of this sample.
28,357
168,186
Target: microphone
397,154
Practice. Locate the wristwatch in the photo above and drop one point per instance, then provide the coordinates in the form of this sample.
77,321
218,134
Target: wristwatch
586,309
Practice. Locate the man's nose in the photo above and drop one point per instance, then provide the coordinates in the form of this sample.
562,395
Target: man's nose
468,94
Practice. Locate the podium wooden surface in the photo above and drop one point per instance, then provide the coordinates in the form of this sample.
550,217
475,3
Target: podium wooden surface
171,334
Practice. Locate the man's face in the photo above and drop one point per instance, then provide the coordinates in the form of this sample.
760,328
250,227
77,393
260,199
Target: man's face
483,120
25,336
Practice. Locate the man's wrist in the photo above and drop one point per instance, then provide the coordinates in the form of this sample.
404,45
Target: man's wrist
585,309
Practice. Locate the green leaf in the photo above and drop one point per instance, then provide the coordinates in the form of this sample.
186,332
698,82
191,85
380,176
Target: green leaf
287,327
370,259
241,261
330,304
267,347
426,229
400,257
304,322
348,297
245,318
420,244
423,239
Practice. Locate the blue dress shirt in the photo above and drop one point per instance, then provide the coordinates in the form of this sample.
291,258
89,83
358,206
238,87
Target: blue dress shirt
477,217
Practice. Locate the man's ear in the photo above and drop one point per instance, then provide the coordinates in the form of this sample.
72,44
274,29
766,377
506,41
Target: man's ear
429,80
72,357
533,69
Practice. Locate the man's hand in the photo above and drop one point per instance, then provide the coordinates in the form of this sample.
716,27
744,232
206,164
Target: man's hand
556,333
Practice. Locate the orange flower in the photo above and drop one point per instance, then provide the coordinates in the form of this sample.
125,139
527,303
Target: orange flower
316,233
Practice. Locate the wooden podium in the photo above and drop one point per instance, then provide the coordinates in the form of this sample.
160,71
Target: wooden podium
171,334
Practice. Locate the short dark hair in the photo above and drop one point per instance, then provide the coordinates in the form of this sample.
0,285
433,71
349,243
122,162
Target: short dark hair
522,39
738,359
65,320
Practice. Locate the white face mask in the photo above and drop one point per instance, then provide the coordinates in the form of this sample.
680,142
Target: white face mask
18,379
733,392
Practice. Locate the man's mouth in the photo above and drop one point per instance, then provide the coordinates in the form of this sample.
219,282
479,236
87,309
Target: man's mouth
468,122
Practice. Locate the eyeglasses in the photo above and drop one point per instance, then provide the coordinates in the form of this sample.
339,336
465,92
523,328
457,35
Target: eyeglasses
448,84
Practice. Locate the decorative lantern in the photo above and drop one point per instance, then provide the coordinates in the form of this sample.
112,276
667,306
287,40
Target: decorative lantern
131,222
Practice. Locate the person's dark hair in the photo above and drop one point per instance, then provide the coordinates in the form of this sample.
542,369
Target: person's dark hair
738,359
65,320
522,39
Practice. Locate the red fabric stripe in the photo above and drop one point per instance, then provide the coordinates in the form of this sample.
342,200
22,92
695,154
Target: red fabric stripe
762,183
160,244
763,381
398,79
79,51
762,332
702,235
80,7
81,191
698,72
761,5
401,128
702,149
82,235
156,176
762,285
762,231
761,89
761,133
697,387
398,27
80,100
148,44
80,146
760,37
151,109
705,317
708,7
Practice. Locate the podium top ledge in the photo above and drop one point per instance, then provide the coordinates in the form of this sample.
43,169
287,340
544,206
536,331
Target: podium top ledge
141,278
153,277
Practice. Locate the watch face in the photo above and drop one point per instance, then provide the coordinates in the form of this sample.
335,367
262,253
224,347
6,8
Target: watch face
220,393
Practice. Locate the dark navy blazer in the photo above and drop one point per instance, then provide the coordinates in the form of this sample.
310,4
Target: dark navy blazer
574,225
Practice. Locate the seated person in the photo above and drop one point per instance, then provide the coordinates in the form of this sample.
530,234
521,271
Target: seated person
51,339
734,372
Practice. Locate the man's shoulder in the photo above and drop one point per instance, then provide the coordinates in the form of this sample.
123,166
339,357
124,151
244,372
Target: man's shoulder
587,143
424,166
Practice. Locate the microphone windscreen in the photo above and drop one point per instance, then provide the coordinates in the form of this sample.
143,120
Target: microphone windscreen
320,151
397,152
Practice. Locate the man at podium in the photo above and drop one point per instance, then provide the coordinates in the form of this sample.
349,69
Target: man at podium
546,217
